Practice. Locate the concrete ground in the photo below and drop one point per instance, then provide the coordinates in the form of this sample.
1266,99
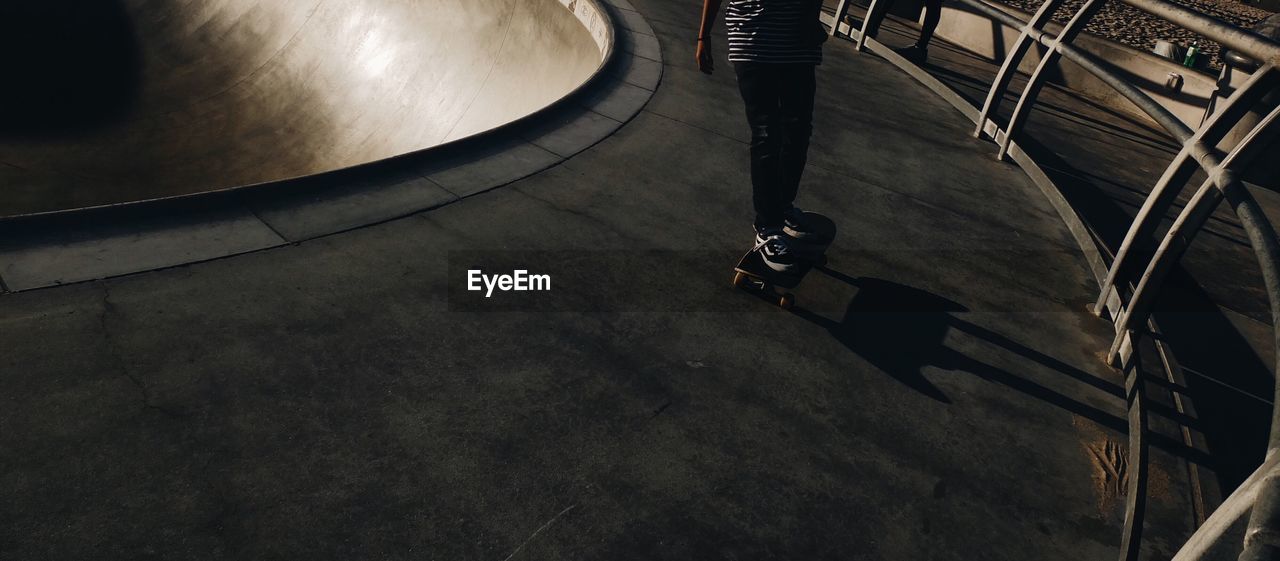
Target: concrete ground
938,395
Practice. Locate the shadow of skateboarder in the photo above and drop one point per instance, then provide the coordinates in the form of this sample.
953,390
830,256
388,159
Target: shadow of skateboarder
898,329
902,330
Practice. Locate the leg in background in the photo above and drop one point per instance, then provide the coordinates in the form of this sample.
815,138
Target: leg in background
932,15
876,17
918,52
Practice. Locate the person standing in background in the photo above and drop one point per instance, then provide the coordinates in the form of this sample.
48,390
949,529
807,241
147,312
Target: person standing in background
919,52
775,47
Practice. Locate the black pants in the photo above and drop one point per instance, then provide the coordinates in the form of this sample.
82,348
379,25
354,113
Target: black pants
779,100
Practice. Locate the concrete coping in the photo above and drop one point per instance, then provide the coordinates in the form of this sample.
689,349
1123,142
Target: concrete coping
83,245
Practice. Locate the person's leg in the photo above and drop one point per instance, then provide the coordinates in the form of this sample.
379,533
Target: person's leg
795,126
919,51
932,15
760,87
875,18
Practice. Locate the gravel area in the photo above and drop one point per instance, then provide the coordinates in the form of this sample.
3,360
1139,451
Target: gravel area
1137,29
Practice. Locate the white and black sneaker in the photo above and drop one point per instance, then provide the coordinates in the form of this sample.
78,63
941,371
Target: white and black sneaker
795,225
771,242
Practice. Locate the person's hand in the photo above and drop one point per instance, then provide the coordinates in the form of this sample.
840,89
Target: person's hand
706,62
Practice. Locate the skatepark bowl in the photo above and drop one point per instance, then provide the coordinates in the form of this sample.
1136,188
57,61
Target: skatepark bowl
132,100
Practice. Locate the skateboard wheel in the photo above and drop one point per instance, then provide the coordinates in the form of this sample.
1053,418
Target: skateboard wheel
786,301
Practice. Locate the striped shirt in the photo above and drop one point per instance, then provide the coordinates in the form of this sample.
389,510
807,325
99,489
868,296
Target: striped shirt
778,31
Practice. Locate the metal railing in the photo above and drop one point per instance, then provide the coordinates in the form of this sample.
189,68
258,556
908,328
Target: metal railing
1138,269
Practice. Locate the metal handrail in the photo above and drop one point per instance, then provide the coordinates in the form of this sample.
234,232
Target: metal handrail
1131,315
1162,115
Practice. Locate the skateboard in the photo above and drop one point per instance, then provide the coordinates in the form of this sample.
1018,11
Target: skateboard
753,275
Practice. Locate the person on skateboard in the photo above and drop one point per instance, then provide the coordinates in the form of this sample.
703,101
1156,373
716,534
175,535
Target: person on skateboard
775,47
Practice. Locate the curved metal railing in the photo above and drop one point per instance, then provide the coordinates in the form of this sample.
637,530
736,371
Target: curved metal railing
1130,283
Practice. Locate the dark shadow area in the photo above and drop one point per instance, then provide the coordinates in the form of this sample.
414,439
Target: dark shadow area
1157,135
974,90
67,64
901,330
1234,422
1235,426
1104,217
1155,140
1107,197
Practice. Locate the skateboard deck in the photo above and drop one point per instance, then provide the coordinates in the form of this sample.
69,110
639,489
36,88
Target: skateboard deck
753,275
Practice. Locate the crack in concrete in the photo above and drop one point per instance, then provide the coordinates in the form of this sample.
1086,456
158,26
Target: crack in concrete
581,214
121,365
539,531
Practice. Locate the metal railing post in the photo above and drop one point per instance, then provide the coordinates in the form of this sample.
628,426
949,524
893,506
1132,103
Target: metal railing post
1165,192
1261,540
1136,500
1036,83
859,36
842,9
1009,67
1221,183
875,13
1228,513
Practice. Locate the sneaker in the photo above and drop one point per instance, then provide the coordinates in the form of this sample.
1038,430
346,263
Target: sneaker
914,54
795,225
771,242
